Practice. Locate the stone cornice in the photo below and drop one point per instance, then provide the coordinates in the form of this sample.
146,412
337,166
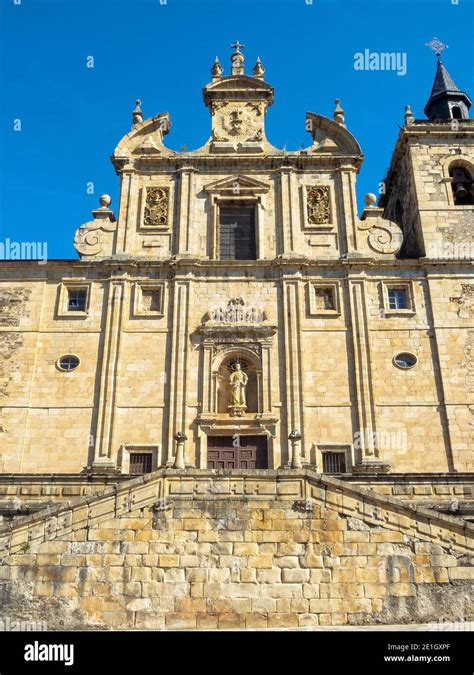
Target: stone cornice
29,270
302,160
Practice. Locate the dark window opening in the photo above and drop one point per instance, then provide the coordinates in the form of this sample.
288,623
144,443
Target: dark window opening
325,298
334,462
151,300
456,112
140,462
405,360
77,300
68,363
397,298
462,185
237,239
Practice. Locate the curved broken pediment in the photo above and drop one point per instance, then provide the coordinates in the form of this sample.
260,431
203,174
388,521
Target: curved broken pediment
145,138
331,137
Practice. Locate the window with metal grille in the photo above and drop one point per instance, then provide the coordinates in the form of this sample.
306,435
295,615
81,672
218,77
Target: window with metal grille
77,300
397,298
140,462
237,233
334,462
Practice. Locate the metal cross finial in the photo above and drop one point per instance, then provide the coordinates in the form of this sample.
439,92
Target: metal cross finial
238,47
437,46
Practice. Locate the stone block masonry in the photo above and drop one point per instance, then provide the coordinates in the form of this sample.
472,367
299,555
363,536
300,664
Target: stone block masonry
184,550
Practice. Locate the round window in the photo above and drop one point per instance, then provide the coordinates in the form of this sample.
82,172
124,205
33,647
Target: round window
405,360
68,363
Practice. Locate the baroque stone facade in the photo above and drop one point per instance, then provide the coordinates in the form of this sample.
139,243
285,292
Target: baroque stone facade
352,339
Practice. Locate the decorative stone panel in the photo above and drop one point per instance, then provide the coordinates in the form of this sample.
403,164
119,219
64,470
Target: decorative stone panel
318,210
156,207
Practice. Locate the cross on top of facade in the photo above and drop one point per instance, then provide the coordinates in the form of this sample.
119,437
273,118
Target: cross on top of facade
437,46
238,46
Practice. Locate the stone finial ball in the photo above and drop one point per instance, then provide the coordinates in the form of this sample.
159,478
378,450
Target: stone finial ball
370,199
105,201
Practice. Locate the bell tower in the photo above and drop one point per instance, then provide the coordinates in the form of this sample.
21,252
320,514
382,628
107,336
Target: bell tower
447,101
429,188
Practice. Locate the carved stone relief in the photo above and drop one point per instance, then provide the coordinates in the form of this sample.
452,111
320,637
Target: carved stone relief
318,208
156,207
237,122
236,312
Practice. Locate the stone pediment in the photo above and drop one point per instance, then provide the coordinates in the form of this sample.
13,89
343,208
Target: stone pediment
238,88
237,185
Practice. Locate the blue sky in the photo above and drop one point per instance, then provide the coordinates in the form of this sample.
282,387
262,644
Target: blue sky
72,116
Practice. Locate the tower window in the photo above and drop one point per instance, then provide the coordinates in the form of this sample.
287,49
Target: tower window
397,298
462,185
456,112
237,240
77,300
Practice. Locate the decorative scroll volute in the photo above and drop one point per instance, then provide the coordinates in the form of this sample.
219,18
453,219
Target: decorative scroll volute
383,236
88,239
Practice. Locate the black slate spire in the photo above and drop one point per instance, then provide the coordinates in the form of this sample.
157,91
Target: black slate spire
446,101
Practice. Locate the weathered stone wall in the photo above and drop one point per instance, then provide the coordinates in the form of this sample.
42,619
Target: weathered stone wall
226,551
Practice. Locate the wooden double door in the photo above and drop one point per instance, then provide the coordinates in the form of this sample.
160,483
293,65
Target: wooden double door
237,452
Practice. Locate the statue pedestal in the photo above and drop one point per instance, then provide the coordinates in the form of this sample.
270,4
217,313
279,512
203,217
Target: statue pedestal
237,410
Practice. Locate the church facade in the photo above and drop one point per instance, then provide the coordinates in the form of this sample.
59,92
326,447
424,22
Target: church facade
245,406
239,314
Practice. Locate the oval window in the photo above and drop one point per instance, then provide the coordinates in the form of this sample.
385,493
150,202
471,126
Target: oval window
405,360
68,363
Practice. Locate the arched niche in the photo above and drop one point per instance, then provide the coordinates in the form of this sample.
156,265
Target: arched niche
222,370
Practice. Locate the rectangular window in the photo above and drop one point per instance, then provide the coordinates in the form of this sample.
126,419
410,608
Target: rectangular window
334,462
77,300
151,300
324,298
140,463
237,240
397,298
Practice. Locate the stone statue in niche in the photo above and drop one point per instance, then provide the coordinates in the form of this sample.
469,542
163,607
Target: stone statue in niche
156,207
238,384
